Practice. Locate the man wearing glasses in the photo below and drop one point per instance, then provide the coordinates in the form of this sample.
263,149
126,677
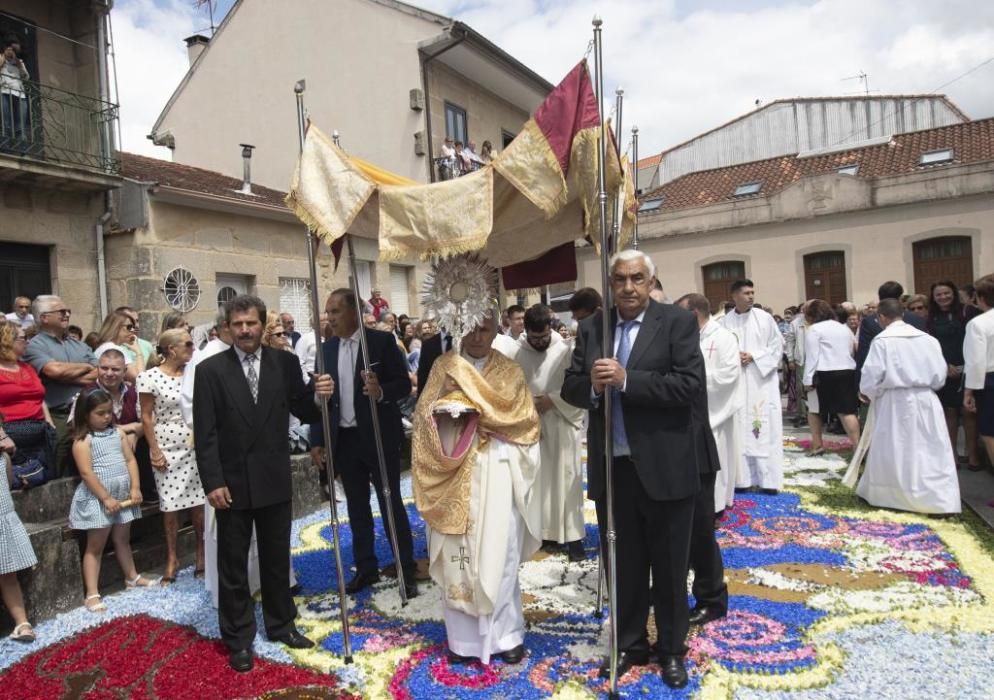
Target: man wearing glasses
64,364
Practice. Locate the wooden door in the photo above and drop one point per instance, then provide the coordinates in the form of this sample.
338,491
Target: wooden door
718,278
825,276
947,258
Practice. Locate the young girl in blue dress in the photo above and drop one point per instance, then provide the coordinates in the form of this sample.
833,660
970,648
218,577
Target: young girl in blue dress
109,497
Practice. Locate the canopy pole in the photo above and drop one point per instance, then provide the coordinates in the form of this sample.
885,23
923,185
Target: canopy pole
606,350
312,245
635,176
377,435
619,205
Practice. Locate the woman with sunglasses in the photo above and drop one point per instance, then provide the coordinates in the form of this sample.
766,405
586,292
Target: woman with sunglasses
118,331
171,445
275,336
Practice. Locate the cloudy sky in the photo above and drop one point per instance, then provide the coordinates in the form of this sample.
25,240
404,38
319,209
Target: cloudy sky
686,65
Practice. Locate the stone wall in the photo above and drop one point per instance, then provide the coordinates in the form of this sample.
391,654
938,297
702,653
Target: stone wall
65,222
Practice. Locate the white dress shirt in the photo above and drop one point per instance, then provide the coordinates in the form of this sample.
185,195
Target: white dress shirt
25,323
828,347
978,350
306,350
348,352
212,348
633,333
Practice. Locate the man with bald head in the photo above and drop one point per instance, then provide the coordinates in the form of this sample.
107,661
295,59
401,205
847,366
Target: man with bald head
475,463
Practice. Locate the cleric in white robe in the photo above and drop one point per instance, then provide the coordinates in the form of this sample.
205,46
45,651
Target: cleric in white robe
544,357
473,478
726,396
910,465
761,420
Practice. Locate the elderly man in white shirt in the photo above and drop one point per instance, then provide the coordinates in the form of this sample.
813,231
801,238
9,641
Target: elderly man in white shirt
978,370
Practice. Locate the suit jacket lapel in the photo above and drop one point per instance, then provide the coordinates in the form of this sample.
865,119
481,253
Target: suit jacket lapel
647,332
239,387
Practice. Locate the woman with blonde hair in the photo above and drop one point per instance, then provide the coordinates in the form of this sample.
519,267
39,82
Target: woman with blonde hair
275,336
918,305
170,444
118,331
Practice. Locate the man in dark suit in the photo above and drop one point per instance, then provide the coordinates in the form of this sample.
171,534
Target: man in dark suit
431,350
656,373
352,439
241,408
869,327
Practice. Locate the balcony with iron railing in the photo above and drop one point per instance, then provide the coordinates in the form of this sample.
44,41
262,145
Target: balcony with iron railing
42,126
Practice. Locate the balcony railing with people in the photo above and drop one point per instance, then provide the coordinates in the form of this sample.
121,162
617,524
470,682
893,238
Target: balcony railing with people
47,123
458,161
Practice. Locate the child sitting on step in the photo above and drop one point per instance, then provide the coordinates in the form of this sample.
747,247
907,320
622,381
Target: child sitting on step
16,552
109,497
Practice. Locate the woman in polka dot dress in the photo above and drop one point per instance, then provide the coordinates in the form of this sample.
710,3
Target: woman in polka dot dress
170,443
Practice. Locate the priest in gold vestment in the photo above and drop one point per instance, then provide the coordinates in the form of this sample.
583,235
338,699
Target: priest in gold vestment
475,463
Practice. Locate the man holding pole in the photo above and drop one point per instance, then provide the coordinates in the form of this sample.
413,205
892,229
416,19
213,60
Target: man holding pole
656,374
352,440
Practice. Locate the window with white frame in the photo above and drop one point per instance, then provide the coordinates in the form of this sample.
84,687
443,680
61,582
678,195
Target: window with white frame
295,299
400,284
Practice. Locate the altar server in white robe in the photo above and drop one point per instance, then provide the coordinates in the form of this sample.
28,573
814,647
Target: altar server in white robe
910,466
474,474
544,357
761,420
726,395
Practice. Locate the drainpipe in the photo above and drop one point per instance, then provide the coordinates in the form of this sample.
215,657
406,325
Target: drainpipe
425,60
106,150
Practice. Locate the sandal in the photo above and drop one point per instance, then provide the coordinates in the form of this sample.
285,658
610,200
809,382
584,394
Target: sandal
23,633
815,452
96,607
140,581
198,573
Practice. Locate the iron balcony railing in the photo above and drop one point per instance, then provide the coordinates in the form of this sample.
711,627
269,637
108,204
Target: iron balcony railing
50,124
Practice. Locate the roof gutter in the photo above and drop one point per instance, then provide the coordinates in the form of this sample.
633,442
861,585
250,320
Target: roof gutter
201,200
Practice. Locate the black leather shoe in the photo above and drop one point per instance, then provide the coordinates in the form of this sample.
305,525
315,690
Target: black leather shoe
294,640
457,660
626,662
242,660
360,581
674,673
513,656
705,614
769,492
576,552
410,587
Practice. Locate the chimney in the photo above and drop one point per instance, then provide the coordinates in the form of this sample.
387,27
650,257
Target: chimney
246,168
195,46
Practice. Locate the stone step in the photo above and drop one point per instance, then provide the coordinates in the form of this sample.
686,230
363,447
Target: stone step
55,585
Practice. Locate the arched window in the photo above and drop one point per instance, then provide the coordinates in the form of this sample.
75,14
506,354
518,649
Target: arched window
718,278
943,258
825,276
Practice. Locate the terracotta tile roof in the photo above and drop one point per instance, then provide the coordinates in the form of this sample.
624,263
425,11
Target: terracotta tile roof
651,161
972,142
187,177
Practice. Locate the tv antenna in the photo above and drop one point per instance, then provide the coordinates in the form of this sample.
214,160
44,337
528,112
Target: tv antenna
863,78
